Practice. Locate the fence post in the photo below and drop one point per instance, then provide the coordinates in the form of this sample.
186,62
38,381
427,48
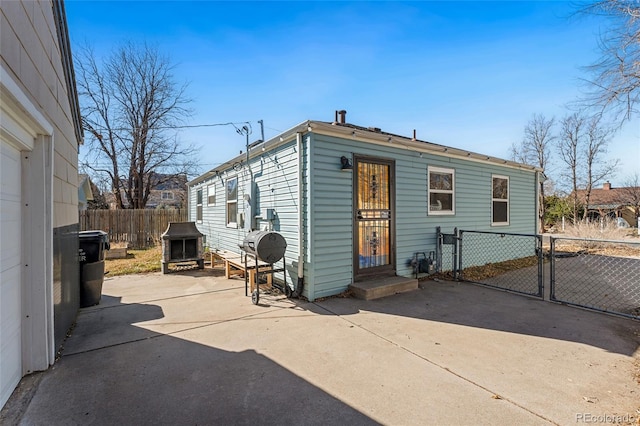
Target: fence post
552,268
457,256
438,249
540,266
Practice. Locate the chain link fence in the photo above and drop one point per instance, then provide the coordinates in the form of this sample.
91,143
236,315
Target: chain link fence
511,262
597,274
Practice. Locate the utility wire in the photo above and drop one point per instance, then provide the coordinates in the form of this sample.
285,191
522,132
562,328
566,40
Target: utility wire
186,126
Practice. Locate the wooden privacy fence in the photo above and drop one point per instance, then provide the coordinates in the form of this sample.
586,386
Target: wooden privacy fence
139,228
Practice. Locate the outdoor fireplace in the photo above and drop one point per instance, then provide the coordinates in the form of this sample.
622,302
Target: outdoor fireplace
182,242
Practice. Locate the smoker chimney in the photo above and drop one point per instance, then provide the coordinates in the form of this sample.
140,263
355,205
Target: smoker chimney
606,186
343,116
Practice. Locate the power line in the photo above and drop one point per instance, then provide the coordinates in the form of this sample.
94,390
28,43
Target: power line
186,126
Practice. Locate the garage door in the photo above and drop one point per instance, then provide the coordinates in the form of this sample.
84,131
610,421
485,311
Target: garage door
10,271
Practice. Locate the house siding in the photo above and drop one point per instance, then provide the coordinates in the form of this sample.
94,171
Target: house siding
275,175
32,58
327,204
331,247
31,53
332,225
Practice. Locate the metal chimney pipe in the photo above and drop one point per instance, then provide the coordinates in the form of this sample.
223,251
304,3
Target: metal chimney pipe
414,135
343,115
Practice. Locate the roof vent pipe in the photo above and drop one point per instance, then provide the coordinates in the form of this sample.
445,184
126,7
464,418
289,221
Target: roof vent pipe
343,116
414,135
335,121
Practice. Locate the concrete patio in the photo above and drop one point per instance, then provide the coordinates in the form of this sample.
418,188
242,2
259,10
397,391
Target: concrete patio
190,348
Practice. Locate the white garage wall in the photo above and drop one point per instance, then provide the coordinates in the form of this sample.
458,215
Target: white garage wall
37,118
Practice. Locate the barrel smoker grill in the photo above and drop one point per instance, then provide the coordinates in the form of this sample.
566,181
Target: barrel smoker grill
267,247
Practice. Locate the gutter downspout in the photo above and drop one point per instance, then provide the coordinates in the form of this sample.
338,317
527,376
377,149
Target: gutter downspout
300,285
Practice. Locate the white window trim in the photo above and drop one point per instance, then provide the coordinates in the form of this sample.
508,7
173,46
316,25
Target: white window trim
508,200
444,170
234,222
211,187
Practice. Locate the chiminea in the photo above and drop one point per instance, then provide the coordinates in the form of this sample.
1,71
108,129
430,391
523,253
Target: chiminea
182,242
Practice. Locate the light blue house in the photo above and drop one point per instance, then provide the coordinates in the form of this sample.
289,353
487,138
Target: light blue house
355,203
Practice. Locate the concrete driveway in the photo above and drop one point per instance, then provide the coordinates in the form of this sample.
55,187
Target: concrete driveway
190,349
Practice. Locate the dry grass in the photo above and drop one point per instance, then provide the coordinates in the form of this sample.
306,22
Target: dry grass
490,270
136,262
602,249
606,230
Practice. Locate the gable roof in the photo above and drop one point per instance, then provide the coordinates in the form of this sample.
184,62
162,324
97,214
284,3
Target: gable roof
367,134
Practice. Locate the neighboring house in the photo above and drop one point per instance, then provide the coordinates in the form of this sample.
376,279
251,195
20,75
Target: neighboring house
168,192
40,130
615,202
354,201
85,192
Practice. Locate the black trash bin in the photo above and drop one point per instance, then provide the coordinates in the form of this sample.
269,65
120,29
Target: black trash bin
91,255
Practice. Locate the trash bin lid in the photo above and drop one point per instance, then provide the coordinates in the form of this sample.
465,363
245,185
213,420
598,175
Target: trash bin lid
93,234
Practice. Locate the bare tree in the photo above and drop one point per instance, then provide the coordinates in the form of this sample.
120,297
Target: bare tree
615,82
131,107
572,129
631,193
597,137
535,149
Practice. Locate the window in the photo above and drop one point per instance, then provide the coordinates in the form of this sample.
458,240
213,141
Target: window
500,200
211,195
199,205
441,191
167,195
232,201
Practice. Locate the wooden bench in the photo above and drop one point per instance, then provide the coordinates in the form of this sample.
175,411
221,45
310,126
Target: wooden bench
234,265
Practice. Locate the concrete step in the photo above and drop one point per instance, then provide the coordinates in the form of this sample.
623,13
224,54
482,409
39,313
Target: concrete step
377,287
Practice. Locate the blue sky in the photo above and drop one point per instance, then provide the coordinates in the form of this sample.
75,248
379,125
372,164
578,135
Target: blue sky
464,74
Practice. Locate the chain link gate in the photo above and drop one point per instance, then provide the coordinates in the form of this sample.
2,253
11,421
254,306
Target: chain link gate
601,275
511,262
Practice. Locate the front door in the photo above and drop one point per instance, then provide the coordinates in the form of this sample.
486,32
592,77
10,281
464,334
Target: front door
374,217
